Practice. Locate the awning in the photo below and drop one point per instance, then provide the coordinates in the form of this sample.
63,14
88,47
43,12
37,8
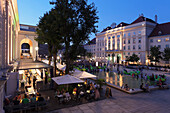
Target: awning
67,79
84,74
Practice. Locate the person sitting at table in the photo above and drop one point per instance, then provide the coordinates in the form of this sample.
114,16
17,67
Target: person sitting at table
74,91
25,100
40,98
62,91
33,99
16,101
57,93
38,94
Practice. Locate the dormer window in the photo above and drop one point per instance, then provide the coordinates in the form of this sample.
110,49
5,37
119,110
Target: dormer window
159,33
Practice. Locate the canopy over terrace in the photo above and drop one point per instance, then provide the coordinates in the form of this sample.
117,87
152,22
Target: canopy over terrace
26,64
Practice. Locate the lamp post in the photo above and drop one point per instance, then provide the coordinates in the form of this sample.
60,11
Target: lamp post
36,48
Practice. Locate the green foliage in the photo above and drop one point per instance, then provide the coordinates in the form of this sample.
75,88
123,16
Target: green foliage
49,32
101,82
133,58
155,54
166,54
77,20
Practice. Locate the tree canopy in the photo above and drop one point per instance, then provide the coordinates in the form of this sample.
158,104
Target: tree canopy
78,20
133,58
166,54
155,54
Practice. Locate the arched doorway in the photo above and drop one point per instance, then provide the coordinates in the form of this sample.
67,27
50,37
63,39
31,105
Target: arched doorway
26,48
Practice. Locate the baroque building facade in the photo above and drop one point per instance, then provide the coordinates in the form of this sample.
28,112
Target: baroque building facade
125,39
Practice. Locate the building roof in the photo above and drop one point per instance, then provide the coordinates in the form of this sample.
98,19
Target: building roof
122,24
161,29
28,28
93,41
141,19
107,28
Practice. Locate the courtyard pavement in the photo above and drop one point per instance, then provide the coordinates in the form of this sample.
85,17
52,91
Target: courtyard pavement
157,101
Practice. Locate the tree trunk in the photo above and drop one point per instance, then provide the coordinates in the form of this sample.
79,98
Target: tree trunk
55,67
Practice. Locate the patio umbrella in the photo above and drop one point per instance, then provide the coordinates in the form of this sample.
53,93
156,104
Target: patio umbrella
84,74
67,79
60,66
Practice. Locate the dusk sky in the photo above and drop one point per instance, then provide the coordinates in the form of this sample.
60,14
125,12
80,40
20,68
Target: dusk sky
109,11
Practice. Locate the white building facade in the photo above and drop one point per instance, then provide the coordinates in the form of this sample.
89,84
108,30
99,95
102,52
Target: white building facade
160,37
125,40
9,27
91,47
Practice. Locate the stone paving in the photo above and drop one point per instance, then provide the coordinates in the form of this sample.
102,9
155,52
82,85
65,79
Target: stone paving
157,101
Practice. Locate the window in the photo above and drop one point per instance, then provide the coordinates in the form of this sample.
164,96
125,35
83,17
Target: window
113,46
109,46
128,53
118,36
109,38
128,34
134,33
167,46
159,46
124,41
139,46
139,32
123,53
124,35
151,40
128,47
166,39
133,47
118,39
113,37
128,41
124,47
139,41
159,40
134,40
118,46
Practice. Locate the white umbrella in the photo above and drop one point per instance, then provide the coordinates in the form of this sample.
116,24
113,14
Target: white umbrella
66,79
60,66
84,74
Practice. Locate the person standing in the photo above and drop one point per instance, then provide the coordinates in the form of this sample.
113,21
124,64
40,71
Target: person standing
46,76
110,92
34,80
29,79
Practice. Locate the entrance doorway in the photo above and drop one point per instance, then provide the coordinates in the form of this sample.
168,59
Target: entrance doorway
118,58
26,48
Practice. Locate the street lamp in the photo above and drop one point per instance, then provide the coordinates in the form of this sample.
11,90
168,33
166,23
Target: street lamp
36,48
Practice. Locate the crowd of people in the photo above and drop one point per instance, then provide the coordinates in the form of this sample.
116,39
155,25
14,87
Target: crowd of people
88,90
24,100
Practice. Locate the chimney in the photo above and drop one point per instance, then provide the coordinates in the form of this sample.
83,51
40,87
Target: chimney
156,18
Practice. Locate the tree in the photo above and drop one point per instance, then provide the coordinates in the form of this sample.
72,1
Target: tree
48,32
77,20
89,55
166,54
133,58
155,54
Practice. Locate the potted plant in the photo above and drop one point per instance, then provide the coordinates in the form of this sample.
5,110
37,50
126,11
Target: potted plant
101,82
